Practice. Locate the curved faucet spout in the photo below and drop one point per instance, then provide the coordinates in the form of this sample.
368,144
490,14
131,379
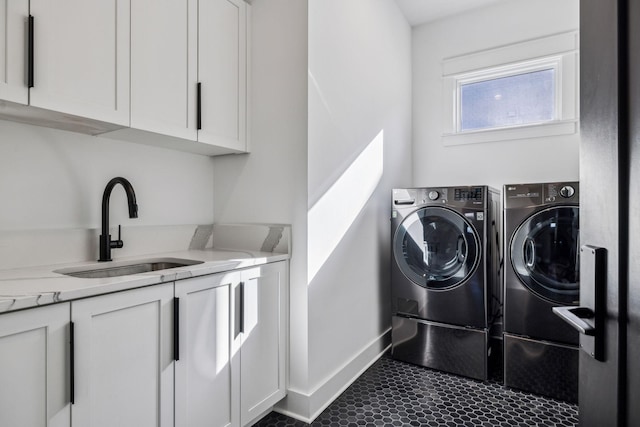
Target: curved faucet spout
105,238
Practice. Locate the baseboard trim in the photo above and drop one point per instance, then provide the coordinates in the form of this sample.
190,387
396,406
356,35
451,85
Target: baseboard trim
308,406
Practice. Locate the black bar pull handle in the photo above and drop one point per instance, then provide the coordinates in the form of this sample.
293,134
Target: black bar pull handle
242,307
30,52
199,106
238,298
72,364
176,329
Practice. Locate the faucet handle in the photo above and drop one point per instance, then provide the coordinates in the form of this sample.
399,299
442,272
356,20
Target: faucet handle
117,243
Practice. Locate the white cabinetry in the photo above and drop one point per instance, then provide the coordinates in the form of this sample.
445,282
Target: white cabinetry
222,72
206,382
164,73
34,367
231,366
13,21
164,67
260,338
189,75
215,345
123,365
68,61
81,58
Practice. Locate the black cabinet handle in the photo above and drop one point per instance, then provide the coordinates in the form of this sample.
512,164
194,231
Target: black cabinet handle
176,329
238,318
242,307
72,365
30,52
199,106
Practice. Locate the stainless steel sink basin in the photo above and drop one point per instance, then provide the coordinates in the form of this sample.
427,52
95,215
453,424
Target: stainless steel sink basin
126,268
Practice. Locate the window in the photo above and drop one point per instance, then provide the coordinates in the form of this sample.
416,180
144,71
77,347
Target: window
503,94
518,99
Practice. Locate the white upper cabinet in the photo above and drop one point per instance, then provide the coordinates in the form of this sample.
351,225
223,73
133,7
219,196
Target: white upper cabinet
222,72
189,75
81,58
13,25
160,72
164,67
34,367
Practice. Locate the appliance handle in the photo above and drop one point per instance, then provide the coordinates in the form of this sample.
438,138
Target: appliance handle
404,201
580,318
529,252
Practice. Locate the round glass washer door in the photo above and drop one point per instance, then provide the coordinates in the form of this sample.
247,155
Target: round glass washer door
436,248
545,254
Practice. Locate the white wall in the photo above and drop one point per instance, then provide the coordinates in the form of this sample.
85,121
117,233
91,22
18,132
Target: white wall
359,149
52,179
494,163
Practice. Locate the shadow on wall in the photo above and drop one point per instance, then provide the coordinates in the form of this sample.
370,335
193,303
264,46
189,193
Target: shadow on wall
334,213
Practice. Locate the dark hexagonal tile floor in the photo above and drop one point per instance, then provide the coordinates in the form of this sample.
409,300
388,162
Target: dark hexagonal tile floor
394,393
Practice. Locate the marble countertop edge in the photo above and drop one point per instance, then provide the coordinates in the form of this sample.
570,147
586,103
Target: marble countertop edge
35,286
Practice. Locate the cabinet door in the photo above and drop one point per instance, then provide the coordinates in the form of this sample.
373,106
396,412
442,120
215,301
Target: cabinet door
164,66
262,355
124,359
34,367
13,23
206,383
81,58
222,72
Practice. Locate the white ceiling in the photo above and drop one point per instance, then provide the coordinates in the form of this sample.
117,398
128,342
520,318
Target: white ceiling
420,11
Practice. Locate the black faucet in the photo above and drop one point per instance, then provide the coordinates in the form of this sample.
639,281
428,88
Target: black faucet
105,238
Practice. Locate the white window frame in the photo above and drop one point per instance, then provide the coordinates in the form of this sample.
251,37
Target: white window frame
558,52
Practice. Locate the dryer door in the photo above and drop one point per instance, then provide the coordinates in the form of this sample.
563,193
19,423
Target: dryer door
545,254
436,248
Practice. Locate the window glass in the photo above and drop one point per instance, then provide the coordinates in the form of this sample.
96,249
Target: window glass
513,100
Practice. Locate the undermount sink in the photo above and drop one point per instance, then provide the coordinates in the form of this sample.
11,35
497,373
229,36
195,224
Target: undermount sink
126,268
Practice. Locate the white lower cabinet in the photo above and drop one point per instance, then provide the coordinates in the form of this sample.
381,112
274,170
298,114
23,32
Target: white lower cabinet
205,380
260,342
232,345
34,367
207,351
123,359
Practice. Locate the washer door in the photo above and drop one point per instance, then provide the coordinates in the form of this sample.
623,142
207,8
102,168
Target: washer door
545,253
436,248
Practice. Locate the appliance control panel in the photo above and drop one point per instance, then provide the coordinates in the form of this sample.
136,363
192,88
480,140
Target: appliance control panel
526,195
462,197
469,193
561,192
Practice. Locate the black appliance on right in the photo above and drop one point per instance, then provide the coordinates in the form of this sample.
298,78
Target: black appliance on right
541,271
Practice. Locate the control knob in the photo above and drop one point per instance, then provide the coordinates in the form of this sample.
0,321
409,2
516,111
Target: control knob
567,191
433,195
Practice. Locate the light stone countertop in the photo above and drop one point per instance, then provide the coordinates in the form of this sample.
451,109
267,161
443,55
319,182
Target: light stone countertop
40,285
